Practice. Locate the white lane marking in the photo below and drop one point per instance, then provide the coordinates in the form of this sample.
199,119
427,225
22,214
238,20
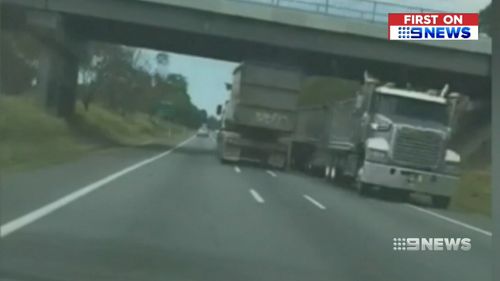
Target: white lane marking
485,232
237,169
16,224
271,173
312,200
257,196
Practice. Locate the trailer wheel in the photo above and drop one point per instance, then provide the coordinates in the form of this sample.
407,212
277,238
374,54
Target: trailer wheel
309,168
338,177
315,171
330,173
441,202
333,174
327,173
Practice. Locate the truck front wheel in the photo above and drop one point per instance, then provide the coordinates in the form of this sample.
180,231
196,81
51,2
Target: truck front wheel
364,189
441,202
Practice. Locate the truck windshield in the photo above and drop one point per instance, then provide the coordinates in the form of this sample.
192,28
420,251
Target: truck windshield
411,108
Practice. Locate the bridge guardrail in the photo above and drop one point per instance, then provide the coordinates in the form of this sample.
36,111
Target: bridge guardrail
366,10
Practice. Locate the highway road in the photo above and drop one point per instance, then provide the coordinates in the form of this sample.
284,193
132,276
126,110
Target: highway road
133,214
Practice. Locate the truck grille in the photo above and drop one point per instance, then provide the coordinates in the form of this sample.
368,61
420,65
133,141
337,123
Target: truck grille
418,148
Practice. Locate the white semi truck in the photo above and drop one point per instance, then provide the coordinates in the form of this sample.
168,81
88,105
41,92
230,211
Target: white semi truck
388,138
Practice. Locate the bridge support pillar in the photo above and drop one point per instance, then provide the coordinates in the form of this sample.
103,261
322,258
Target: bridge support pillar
57,81
58,66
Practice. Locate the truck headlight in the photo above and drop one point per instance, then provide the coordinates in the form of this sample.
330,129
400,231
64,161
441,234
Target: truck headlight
381,127
375,155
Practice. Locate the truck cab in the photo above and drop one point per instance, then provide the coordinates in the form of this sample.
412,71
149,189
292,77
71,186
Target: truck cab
402,142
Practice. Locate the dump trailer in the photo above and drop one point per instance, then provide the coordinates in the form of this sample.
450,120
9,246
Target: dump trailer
260,116
394,140
310,129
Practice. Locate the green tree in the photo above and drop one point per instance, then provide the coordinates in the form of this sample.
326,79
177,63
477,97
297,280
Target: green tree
125,81
18,58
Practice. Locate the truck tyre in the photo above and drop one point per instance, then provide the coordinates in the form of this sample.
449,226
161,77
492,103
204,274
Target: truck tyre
394,194
441,202
402,195
221,158
364,189
308,168
338,177
333,174
319,171
219,155
315,171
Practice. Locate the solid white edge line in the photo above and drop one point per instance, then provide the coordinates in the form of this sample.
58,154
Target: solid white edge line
271,173
237,169
16,224
468,226
256,196
312,200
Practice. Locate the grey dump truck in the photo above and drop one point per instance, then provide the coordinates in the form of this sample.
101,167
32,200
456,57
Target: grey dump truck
260,115
391,139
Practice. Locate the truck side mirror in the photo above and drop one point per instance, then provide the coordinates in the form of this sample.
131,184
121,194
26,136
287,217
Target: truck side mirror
229,86
219,109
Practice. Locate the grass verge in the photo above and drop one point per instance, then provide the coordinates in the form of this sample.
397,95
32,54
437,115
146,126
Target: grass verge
30,138
474,193
138,129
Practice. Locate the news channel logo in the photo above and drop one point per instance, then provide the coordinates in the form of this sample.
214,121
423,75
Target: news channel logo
436,26
431,244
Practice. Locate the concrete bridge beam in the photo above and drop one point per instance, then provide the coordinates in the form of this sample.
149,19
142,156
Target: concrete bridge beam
58,63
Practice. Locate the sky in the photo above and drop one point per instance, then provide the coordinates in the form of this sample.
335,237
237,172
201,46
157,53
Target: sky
207,77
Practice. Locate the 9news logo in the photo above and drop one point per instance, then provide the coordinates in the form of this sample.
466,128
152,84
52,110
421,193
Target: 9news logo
431,244
433,26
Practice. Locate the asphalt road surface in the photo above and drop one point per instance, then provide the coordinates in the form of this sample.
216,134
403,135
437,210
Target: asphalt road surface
181,215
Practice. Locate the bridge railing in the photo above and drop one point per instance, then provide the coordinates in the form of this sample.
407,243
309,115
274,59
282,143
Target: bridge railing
366,10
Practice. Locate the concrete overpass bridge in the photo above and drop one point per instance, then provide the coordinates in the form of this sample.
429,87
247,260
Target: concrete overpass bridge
318,39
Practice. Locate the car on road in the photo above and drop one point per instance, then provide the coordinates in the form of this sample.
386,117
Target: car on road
203,132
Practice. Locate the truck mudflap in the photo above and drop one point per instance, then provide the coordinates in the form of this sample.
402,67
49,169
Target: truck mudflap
240,149
408,179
